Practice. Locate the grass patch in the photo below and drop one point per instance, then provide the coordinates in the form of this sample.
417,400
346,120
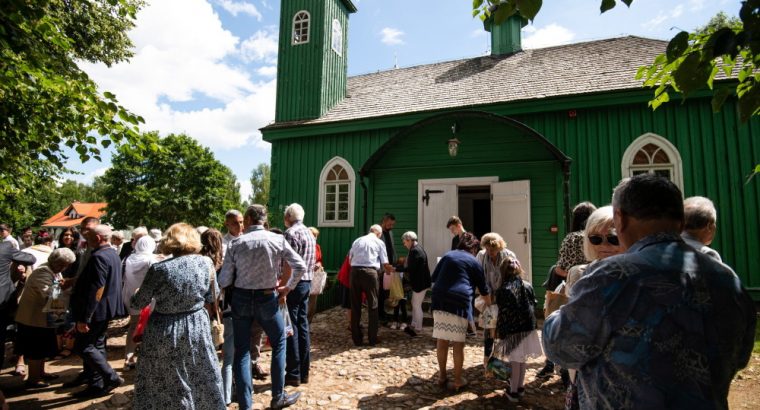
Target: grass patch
756,349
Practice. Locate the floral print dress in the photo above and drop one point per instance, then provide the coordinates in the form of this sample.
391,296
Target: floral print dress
178,366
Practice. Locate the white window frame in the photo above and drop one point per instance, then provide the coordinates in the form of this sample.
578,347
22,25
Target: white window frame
293,28
675,167
351,193
339,50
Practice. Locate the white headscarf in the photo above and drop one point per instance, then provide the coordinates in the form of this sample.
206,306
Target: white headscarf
135,268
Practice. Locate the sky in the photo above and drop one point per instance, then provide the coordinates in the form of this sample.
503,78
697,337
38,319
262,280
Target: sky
208,68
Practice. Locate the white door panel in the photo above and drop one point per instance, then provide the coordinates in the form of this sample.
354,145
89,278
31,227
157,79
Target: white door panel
510,217
439,203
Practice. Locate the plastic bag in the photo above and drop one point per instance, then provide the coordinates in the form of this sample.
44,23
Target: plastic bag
499,368
56,305
142,323
318,281
489,317
396,290
288,325
387,279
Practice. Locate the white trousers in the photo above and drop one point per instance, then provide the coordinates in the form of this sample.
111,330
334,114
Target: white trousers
417,298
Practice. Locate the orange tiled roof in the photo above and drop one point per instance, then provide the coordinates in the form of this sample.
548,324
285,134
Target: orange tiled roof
62,219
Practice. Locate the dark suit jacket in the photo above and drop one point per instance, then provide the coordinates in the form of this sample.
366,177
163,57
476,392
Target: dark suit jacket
8,255
417,269
126,250
97,292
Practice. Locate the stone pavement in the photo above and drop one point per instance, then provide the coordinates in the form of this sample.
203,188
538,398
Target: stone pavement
398,373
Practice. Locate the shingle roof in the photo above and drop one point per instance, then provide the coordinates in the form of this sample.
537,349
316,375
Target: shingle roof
62,219
581,68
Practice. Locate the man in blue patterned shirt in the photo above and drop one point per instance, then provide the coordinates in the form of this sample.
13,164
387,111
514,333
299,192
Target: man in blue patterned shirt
252,266
659,326
298,345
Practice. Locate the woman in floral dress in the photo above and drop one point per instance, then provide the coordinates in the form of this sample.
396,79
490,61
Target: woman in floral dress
178,367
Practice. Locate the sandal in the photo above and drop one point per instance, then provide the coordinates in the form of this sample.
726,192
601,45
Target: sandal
456,388
19,371
442,383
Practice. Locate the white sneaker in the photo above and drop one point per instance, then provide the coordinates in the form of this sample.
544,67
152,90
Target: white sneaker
402,327
394,325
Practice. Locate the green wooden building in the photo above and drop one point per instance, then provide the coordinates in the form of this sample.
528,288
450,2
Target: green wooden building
509,141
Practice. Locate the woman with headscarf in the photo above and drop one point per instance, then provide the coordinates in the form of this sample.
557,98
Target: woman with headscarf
135,268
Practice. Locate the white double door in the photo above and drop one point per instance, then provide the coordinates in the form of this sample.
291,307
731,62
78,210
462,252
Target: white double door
510,215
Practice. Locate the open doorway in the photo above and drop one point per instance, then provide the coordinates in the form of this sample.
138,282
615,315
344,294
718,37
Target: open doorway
475,208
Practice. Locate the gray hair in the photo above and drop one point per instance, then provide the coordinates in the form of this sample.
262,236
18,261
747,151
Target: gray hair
648,197
699,212
61,256
409,235
376,229
295,212
139,232
257,213
104,231
595,223
117,235
232,213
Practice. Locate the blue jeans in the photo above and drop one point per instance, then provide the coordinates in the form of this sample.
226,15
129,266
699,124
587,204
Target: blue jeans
228,350
262,306
299,345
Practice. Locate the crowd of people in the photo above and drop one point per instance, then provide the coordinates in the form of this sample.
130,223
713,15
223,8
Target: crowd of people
651,316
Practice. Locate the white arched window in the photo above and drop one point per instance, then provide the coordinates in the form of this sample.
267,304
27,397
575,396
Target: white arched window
336,194
337,37
301,27
653,154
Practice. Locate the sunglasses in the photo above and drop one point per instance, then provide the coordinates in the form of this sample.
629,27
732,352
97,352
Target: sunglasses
598,239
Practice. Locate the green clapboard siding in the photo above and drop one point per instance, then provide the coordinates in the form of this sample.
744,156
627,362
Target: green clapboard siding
717,153
311,77
487,149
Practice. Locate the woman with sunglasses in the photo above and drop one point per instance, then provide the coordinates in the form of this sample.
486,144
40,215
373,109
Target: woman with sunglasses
599,241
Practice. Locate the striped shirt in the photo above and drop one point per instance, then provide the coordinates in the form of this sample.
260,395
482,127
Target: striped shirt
304,243
254,261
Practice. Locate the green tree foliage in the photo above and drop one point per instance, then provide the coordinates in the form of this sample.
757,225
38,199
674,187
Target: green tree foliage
47,103
718,22
260,185
179,182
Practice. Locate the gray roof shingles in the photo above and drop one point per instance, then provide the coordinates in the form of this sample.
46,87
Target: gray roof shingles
574,69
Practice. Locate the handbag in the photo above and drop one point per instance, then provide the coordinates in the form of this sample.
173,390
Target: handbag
318,281
499,368
56,305
142,323
217,327
396,293
554,300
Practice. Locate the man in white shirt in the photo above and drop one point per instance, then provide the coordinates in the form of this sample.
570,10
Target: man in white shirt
5,234
367,256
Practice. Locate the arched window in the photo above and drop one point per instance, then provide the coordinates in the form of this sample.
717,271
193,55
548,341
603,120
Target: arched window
337,37
301,27
336,194
653,154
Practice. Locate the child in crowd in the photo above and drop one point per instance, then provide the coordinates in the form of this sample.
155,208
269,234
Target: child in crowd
517,337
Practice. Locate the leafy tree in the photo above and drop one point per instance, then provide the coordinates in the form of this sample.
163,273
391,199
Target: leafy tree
179,182
47,102
718,22
260,185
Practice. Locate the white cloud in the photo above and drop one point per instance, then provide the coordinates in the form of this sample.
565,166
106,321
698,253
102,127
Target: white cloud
391,36
697,5
245,189
663,16
261,46
240,7
677,11
267,71
551,35
185,58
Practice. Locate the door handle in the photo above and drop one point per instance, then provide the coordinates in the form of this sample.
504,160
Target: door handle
524,233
